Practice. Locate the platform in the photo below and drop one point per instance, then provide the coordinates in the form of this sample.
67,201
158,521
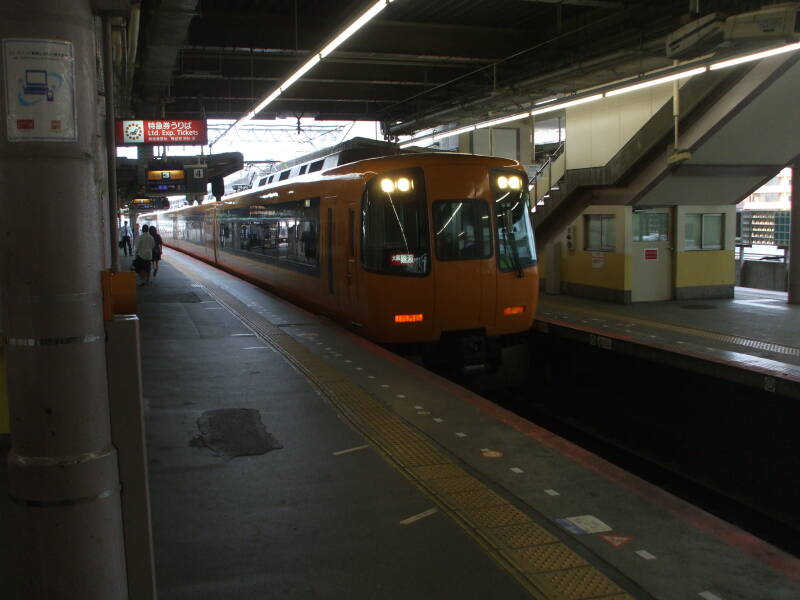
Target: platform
752,339
388,481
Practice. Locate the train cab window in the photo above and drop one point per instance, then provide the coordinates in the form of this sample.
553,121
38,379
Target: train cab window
462,230
394,224
515,245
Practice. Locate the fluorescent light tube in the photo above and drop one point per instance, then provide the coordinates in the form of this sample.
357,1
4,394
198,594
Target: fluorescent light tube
502,120
443,134
428,139
310,64
560,105
353,27
264,102
658,81
743,59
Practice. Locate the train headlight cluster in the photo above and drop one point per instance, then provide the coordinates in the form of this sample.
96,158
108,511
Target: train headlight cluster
402,184
509,182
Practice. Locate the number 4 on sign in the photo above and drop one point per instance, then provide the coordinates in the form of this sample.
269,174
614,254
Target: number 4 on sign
618,541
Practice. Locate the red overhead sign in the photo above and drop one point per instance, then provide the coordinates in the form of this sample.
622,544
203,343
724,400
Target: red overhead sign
162,131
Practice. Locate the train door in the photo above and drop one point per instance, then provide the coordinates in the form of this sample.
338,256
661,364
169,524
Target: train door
349,292
463,271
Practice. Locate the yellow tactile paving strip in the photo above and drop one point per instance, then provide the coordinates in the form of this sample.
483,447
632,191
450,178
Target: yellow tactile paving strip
544,304
543,565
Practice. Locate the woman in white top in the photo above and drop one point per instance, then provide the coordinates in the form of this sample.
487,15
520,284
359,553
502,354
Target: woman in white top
144,255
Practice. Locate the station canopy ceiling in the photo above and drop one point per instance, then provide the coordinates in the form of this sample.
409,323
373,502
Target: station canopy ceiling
418,64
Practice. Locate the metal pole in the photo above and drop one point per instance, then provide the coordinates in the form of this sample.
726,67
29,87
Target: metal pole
794,237
676,109
63,475
111,149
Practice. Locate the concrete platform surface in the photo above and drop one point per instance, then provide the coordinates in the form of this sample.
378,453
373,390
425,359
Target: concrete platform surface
377,479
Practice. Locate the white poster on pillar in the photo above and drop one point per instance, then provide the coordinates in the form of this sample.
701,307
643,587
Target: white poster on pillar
39,78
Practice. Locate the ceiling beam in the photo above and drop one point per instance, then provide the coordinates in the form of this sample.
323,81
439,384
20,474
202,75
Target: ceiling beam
611,4
341,56
222,77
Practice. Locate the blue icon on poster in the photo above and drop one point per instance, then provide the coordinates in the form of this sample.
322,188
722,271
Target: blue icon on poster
41,83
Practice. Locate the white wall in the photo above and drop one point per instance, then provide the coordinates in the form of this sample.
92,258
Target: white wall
505,142
598,130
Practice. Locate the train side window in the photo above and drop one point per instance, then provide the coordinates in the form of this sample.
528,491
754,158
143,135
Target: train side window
271,177
394,224
285,235
262,181
303,170
316,166
462,230
284,175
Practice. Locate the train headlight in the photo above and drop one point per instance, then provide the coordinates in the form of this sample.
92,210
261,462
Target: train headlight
515,182
502,182
387,185
403,184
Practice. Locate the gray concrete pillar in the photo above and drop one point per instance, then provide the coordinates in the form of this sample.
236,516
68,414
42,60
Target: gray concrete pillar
63,475
794,237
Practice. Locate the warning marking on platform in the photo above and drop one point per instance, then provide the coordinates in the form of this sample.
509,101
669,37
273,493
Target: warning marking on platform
645,555
584,523
551,493
570,526
618,541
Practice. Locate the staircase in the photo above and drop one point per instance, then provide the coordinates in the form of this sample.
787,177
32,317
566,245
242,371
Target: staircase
740,125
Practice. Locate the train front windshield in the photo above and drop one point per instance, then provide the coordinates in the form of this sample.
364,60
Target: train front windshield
515,245
395,224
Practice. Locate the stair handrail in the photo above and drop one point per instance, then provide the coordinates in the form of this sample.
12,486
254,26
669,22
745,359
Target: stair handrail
550,158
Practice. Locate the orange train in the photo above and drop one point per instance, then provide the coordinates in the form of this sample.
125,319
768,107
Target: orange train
403,249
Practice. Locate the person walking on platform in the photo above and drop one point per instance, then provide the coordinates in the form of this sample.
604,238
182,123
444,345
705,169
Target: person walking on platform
144,255
156,249
125,239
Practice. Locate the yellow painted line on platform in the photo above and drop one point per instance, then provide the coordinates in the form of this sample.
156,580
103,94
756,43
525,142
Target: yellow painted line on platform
544,566
545,303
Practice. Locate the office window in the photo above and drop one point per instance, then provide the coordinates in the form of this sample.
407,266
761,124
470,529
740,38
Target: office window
600,233
703,232
650,227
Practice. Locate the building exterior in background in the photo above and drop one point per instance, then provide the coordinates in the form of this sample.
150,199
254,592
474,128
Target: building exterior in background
776,194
